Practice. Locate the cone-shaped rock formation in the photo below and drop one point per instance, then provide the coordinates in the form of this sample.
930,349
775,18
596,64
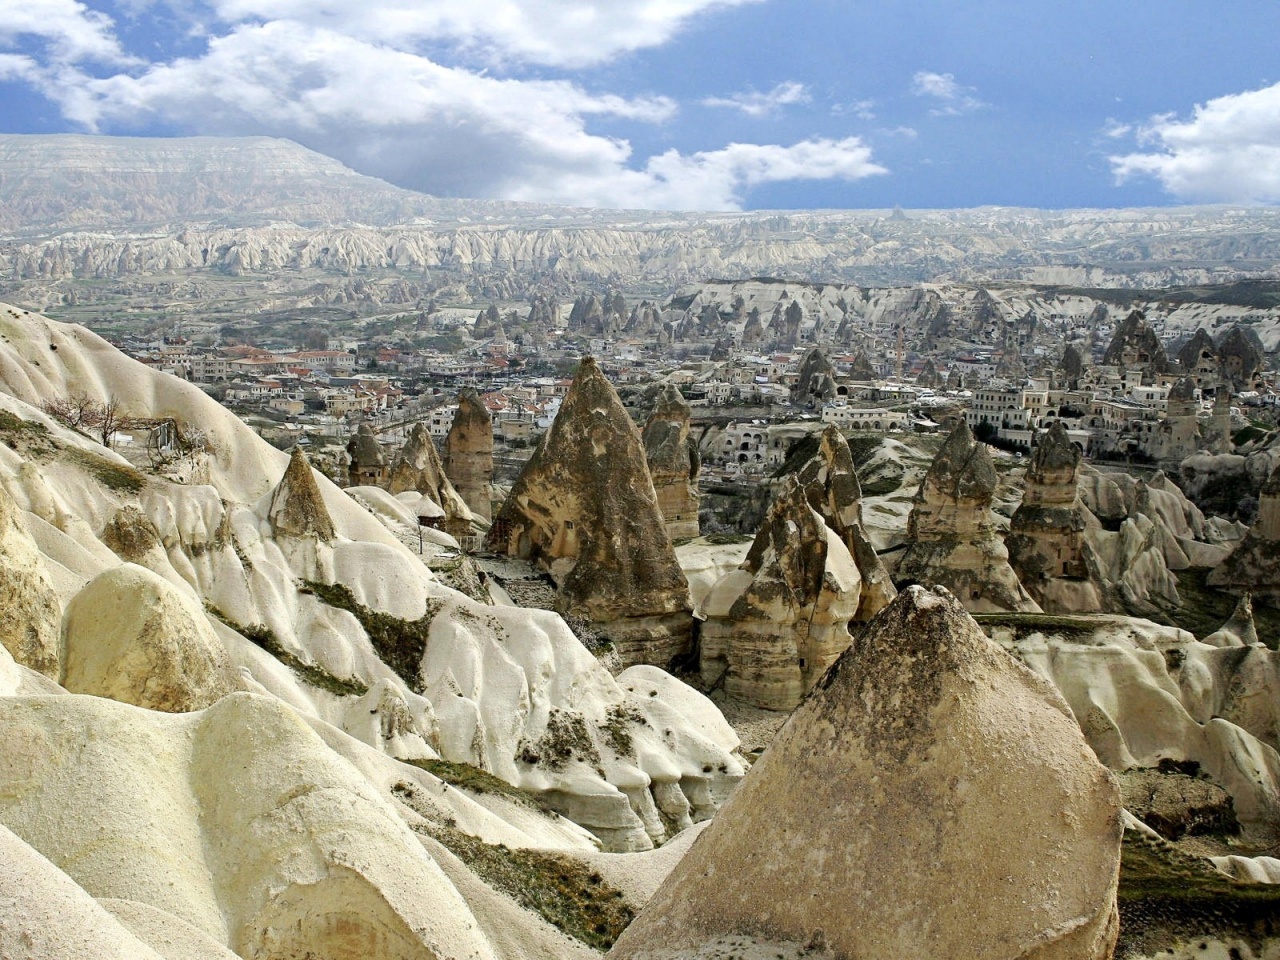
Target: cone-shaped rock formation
1254,565
962,815
674,462
418,468
468,454
584,508
297,508
775,624
1046,542
951,531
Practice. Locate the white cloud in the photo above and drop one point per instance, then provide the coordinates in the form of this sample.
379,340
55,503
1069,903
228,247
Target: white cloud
756,104
717,179
1113,129
445,130
1229,151
71,31
566,33
950,97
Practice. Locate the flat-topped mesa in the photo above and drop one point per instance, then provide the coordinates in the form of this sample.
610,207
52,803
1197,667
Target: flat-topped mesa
418,468
1046,542
932,797
468,454
585,509
297,508
951,532
831,485
367,466
775,624
816,381
674,462
1254,565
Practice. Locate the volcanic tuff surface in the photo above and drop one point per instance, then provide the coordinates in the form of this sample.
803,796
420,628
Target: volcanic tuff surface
923,744
584,507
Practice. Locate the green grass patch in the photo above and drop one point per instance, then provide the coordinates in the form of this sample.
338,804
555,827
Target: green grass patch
567,893
399,643
114,476
725,539
262,636
474,780
11,423
1167,897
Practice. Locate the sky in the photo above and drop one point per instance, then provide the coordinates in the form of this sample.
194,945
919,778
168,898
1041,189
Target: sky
690,104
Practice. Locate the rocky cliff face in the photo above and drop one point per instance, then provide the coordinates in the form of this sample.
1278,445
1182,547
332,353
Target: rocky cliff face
951,534
674,462
921,746
584,507
468,454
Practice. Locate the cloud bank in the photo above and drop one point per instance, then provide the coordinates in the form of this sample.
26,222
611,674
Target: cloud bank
1227,152
452,98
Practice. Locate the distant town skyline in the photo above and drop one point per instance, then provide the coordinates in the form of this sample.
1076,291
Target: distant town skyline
688,104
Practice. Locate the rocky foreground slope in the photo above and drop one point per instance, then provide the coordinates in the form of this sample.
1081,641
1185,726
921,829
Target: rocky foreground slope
256,653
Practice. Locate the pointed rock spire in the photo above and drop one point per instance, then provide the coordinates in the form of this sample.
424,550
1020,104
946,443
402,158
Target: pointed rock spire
468,454
951,532
584,507
297,507
921,746
418,468
674,462
1046,543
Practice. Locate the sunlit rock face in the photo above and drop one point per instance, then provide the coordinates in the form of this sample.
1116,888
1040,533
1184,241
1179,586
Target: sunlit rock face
585,509
29,625
952,535
921,747
674,463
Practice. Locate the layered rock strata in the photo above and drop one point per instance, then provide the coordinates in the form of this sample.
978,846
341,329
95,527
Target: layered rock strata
951,532
921,746
585,509
674,462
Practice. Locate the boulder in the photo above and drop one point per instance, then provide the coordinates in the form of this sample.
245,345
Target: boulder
132,636
931,798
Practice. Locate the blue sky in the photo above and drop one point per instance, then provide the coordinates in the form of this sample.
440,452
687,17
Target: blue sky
689,104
